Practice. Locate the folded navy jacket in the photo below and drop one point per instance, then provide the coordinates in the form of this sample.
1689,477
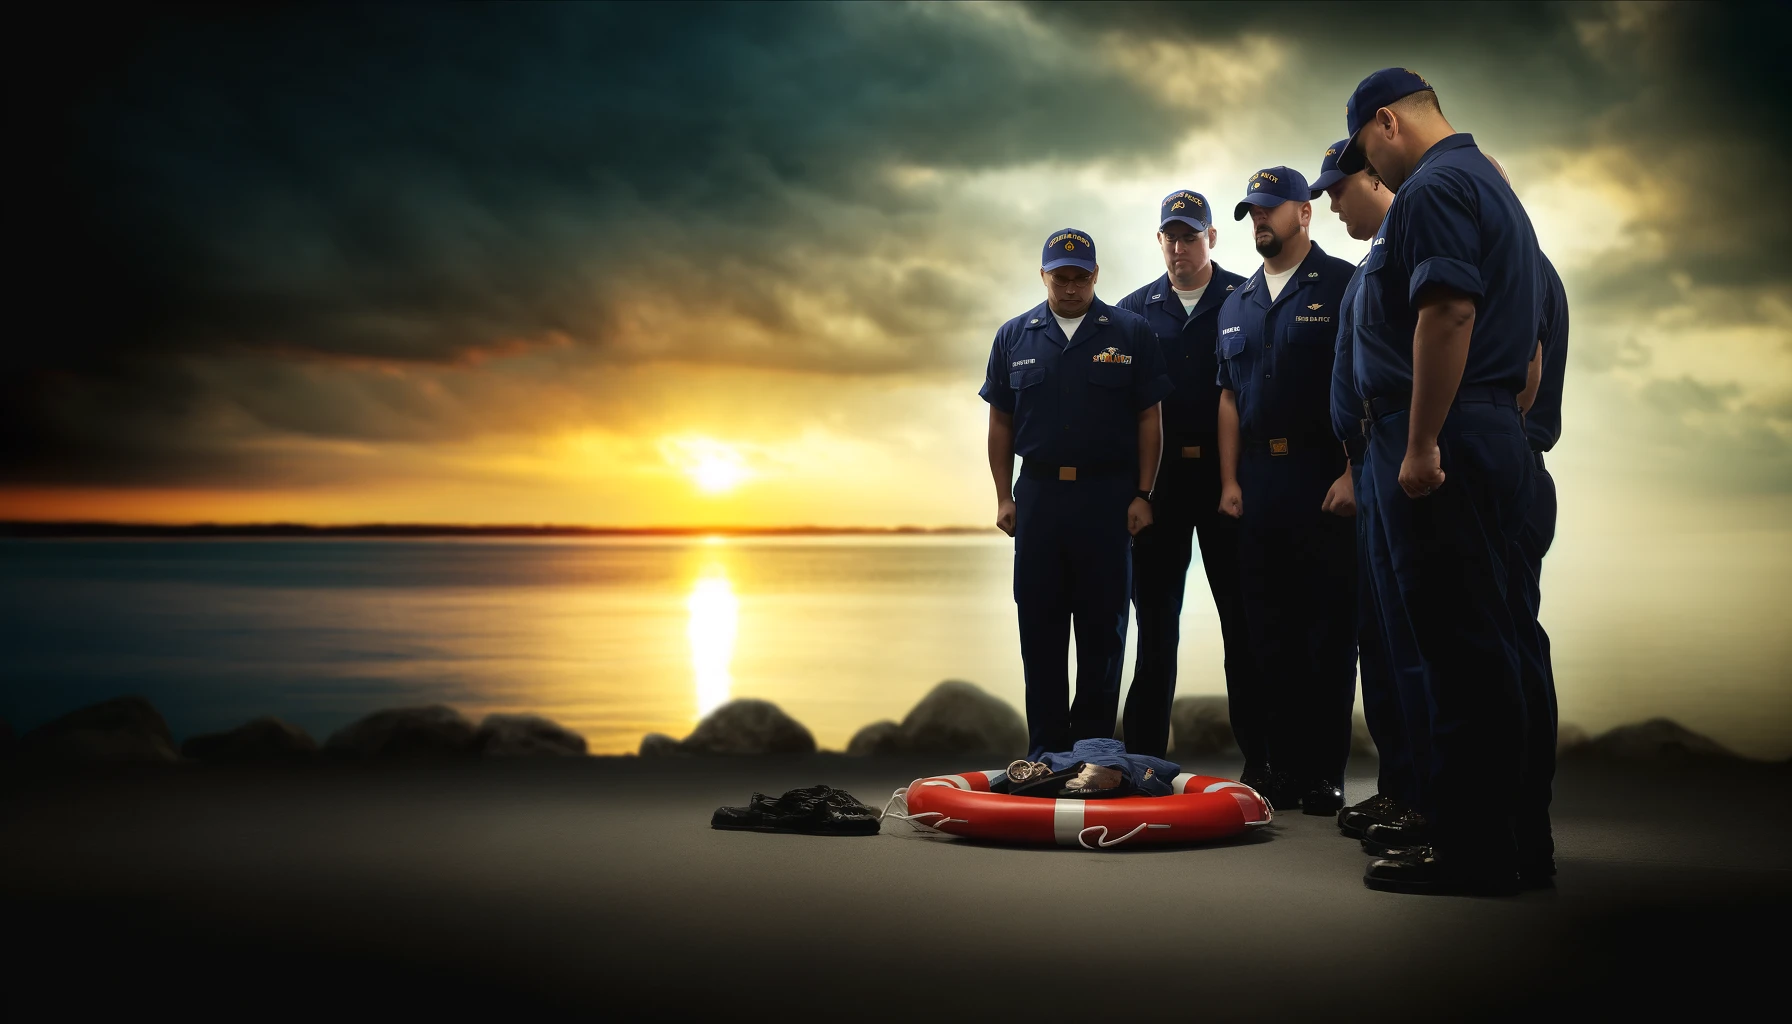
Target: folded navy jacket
1149,775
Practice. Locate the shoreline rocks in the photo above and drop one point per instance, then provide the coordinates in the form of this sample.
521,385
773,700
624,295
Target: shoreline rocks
743,726
260,740
955,718
125,728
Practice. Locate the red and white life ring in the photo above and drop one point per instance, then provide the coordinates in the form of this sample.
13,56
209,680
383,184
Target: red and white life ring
1200,808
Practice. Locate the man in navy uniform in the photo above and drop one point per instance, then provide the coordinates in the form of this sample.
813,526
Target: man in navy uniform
1444,327
1279,460
1361,202
1073,387
1182,306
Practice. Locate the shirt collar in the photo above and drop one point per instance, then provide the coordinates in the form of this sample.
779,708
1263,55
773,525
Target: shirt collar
1460,140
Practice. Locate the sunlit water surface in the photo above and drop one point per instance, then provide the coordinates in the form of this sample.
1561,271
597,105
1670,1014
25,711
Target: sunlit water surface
617,638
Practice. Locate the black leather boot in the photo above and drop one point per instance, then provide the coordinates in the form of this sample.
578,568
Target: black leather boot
1322,797
1426,873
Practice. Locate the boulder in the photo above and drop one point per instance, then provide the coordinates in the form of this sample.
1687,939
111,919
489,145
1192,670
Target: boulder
526,736
436,731
749,727
121,729
883,737
261,740
1201,727
1569,739
1361,743
1658,739
957,717
658,744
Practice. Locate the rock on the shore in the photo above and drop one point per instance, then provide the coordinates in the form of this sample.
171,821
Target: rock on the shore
658,744
1570,738
1201,727
121,729
526,736
437,731
883,737
957,717
260,740
1658,739
749,726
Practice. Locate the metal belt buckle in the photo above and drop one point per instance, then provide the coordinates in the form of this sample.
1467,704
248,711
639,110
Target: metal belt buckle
1067,472
1192,452
1278,446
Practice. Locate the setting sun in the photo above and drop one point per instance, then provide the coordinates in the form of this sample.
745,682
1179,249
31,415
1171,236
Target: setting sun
715,467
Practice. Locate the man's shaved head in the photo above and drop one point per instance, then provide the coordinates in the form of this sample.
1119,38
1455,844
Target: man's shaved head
1421,104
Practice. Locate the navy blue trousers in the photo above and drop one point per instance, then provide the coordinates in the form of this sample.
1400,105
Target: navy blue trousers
1298,566
1531,827
1448,561
1072,567
1392,678
1184,508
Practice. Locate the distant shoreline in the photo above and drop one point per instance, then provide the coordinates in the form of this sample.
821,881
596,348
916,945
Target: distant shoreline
30,529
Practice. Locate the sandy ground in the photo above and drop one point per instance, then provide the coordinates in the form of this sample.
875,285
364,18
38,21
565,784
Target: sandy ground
598,886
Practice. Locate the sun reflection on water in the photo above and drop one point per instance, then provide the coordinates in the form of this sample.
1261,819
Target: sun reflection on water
715,616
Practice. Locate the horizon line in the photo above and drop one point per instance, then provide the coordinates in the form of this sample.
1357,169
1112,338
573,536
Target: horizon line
112,528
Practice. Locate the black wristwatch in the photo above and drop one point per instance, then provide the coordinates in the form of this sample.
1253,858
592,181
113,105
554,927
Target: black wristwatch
1142,493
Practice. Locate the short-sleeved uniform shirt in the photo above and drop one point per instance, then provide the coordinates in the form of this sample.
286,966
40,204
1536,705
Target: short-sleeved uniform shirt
1543,423
1347,405
1455,222
1276,357
1191,412
1076,401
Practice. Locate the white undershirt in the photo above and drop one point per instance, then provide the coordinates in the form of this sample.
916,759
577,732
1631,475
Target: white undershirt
1274,282
1190,298
1069,326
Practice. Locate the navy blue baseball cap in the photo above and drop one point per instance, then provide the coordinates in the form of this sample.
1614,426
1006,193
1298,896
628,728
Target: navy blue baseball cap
1068,248
1378,90
1329,174
1188,207
1273,186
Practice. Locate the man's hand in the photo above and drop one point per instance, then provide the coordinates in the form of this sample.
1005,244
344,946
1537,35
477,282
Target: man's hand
1422,471
1232,499
1138,516
1341,499
1005,516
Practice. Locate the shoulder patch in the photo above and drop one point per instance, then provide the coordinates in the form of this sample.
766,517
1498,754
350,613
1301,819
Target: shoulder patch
1314,273
1154,298
1101,319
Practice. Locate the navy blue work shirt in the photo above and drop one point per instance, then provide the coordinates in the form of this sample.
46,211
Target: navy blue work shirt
1543,423
1347,405
1455,222
1076,401
1192,410
1276,357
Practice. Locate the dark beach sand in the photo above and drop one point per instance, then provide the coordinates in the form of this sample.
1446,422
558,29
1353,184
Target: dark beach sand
596,885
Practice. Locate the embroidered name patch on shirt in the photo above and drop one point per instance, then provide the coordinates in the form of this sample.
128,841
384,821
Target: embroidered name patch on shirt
1023,362
1112,355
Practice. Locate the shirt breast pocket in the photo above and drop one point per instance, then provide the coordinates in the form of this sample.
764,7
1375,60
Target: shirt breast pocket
1370,303
1025,377
1232,343
1110,375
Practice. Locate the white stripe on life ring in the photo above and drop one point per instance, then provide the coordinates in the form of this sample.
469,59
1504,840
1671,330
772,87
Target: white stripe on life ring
1067,821
1216,787
958,780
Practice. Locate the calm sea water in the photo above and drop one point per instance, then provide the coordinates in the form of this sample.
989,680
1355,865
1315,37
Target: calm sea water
617,638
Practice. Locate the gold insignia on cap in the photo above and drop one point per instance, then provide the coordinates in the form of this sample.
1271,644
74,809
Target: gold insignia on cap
1332,151
1177,205
1069,246
1256,184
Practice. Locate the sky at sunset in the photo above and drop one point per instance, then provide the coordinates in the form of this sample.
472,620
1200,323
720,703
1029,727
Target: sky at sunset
667,265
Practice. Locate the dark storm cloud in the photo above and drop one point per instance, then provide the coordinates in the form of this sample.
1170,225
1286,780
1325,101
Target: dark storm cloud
242,226
428,184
